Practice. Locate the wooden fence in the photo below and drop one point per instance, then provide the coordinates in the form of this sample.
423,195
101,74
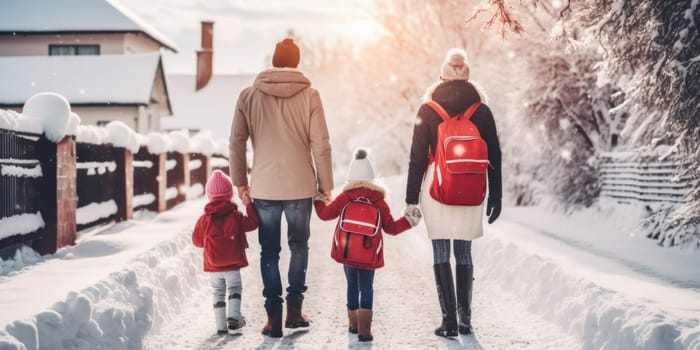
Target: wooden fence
642,181
79,186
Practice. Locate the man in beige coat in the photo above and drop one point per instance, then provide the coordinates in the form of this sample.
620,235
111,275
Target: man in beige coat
283,118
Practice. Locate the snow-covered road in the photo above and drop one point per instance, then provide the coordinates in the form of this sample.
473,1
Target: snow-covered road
406,308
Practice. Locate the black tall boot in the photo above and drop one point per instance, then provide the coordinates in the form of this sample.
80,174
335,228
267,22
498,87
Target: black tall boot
446,295
465,282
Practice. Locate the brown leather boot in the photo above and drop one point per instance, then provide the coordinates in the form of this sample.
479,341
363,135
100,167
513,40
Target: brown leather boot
364,325
273,328
352,321
295,319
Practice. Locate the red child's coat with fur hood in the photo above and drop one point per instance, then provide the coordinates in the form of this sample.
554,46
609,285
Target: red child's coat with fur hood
375,194
221,232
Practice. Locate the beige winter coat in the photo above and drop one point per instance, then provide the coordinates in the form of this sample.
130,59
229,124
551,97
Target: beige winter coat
284,119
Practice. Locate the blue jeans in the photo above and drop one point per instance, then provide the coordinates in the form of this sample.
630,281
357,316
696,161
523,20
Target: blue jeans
360,289
298,214
462,248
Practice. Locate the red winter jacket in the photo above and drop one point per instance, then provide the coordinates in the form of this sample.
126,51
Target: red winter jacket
375,194
221,232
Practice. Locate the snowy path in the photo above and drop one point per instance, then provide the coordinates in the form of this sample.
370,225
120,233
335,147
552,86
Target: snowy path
140,285
406,307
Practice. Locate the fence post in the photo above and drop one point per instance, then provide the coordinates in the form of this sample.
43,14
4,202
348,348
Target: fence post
124,187
161,183
58,163
184,185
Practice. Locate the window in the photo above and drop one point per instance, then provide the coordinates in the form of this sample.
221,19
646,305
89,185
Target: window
73,50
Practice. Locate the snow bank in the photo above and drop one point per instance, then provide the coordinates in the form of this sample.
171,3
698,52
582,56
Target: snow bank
95,211
602,318
20,224
24,256
54,112
13,121
118,311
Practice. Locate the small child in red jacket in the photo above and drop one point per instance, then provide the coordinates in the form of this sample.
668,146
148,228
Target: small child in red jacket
221,232
360,280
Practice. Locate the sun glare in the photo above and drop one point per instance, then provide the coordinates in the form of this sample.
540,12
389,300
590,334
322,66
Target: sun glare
364,30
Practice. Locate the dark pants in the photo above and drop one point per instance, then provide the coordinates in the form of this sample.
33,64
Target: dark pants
298,214
462,249
360,288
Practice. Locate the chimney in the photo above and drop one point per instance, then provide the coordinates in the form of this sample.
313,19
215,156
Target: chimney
205,56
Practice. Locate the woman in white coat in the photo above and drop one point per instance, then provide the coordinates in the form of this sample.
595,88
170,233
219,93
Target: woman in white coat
447,223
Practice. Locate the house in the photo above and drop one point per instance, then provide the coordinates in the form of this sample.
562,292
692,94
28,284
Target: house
210,108
100,56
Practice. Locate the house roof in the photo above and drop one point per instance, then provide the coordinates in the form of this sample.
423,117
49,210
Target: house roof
74,16
83,80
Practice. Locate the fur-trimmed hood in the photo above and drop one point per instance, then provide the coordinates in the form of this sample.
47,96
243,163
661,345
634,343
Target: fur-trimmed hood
428,96
367,189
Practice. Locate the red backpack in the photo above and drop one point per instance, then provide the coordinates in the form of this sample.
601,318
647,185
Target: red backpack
461,160
357,240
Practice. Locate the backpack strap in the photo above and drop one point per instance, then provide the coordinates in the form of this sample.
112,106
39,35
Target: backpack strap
445,117
439,110
471,110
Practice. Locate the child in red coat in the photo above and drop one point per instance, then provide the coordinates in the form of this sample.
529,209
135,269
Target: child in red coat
221,232
360,280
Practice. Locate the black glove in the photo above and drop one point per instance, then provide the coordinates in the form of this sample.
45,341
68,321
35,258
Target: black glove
493,209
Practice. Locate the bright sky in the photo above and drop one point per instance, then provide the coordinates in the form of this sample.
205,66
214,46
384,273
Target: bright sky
245,31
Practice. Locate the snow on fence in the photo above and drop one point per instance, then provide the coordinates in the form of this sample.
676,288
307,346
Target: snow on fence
20,182
57,177
102,167
642,181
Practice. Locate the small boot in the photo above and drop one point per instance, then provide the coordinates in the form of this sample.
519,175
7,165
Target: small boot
220,317
446,295
295,319
235,320
465,282
364,325
352,321
273,328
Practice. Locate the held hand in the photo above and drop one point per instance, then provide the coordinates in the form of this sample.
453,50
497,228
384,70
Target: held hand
243,193
320,197
412,214
493,209
246,199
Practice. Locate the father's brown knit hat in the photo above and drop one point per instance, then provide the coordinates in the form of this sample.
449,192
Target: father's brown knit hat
286,54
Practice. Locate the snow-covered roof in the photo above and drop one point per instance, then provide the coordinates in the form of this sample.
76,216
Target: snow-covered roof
104,79
74,16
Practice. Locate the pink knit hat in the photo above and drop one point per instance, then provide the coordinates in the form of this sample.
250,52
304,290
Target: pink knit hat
219,186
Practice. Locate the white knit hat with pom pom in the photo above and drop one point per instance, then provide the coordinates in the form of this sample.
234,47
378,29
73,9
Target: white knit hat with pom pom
360,167
455,66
